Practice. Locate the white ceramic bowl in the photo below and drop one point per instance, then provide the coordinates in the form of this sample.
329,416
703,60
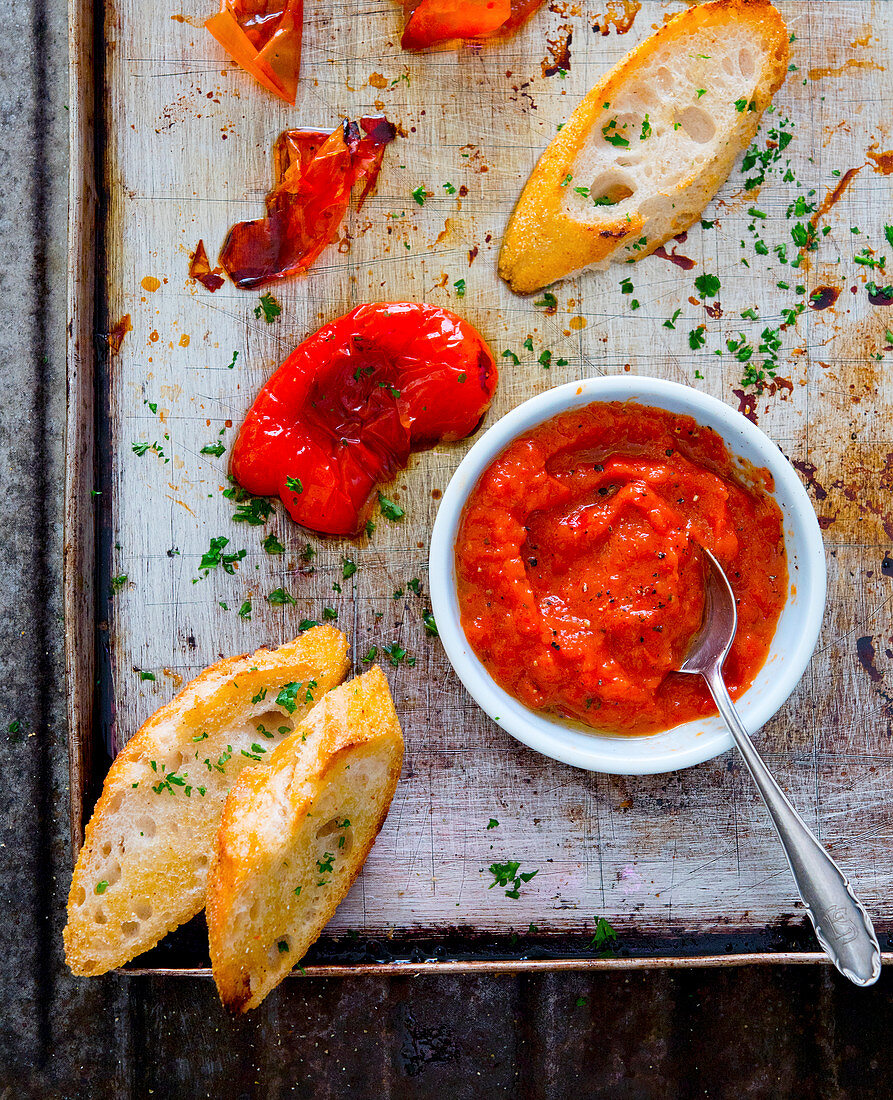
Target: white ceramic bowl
692,742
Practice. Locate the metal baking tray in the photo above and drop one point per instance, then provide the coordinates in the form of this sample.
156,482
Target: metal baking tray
170,143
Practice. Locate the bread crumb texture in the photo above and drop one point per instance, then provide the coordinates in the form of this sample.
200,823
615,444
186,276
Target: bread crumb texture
294,836
649,146
143,868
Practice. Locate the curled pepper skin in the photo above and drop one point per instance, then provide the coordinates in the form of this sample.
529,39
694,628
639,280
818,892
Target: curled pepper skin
348,406
315,172
264,37
432,22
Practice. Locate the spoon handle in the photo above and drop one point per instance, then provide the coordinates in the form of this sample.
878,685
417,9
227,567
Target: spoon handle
842,926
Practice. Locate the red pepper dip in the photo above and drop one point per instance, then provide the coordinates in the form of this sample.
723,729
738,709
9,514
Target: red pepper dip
580,576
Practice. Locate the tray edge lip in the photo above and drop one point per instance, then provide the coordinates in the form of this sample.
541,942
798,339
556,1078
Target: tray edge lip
78,559
511,966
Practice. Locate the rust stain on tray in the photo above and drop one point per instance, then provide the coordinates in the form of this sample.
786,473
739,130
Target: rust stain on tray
883,161
620,14
838,70
118,331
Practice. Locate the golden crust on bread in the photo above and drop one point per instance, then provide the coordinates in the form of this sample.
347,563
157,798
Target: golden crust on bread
294,836
143,868
555,230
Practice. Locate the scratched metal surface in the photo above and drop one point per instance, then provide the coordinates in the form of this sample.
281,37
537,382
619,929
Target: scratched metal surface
188,140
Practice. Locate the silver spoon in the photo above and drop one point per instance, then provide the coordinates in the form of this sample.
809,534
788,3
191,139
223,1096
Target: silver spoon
842,926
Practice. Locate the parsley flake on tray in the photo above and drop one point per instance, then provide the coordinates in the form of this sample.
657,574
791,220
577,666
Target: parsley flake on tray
510,875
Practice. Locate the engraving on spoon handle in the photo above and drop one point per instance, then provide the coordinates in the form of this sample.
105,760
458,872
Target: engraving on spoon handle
842,926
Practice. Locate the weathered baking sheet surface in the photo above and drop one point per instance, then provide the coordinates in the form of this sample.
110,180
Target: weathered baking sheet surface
189,138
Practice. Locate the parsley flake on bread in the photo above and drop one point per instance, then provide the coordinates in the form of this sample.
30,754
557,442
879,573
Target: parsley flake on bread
649,146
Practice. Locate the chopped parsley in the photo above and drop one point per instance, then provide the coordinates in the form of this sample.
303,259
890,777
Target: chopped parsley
492,823
397,655
646,129
288,696
805,235
147,675
215,556
215,449
707,286
605,938
420,194
449,188
294,484
511,355
430,624
348,568
882,293
101,887
611,134
119,582
548,301
459,284
272,545
307,624
281,597
671,321
371,654
509,874
269,308
329,614
232,362
390,509
249,509
245,610
696,337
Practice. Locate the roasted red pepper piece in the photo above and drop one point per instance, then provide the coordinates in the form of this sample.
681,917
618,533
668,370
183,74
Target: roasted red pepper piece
264,37
346,408
436,21
315,172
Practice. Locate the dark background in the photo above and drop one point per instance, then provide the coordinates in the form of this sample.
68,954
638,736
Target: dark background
739,1032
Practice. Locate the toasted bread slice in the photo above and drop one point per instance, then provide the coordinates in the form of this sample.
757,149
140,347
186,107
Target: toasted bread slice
144,865
294,836
650,145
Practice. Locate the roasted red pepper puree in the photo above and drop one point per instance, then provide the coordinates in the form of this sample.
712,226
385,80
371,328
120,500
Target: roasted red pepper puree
579,566
346,408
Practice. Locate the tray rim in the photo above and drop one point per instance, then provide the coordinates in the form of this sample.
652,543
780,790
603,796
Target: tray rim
80,542
78,532
522,966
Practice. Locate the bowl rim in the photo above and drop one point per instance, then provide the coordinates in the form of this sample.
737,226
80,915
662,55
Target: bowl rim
560,739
